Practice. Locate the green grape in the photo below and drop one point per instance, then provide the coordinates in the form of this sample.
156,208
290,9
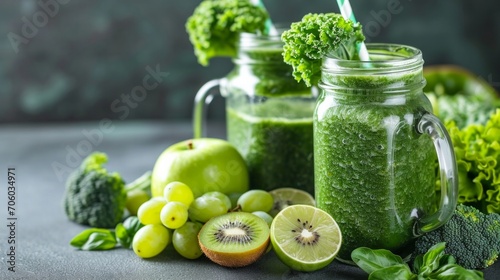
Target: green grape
150,240
204,208
256,200
149,212
265,216
134,200
174,214
224,198
177,191
185,240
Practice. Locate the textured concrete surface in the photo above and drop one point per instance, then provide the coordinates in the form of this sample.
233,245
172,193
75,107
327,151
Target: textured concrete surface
43,232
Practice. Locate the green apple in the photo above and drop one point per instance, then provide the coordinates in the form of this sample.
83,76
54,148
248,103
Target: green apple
204,164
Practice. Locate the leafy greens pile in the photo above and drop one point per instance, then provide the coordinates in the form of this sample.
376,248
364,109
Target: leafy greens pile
460,96
469,108
382,264
477,150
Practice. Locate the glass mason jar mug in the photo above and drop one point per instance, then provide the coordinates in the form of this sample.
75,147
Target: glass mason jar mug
374,160
268,115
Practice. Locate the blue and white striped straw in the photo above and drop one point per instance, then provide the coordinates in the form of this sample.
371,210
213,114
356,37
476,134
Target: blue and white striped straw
346,11
270,29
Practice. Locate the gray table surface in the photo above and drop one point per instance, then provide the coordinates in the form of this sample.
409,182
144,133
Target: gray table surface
43,232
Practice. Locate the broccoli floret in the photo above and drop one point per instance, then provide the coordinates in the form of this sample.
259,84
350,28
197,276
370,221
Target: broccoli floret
93,196
471,236
314,37
215,26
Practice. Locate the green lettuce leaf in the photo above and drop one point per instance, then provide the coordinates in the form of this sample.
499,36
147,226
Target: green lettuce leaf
477,150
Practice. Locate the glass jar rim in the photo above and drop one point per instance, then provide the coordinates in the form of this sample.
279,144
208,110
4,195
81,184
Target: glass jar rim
385,59
249,40
392,69
258,48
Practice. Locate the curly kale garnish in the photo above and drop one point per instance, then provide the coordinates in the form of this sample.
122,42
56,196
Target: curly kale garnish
316,36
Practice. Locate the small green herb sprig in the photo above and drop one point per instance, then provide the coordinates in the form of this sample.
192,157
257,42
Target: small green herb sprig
435,264
93,239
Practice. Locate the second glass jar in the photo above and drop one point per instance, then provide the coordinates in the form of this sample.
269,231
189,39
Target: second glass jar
269,115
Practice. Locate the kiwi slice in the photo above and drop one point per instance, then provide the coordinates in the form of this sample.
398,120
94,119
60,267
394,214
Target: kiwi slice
305,238
234,239
284,197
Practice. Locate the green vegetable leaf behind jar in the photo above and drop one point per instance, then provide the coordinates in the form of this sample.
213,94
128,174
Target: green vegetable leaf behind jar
469,108
459,95
477,149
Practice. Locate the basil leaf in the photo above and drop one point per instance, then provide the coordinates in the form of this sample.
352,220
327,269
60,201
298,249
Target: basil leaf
456,272
399,271
94,239
371,260
125,231
418,263
122,236
431,259
447,259
132,225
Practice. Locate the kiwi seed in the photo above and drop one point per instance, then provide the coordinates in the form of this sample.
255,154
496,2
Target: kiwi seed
240,233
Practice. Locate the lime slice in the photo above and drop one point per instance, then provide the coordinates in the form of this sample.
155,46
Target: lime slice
305,238
285,197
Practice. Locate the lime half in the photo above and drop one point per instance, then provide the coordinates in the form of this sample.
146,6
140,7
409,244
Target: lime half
305,238
285,197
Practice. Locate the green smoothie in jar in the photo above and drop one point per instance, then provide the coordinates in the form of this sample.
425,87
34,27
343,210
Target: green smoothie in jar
269,116
374,164
373,159
375,139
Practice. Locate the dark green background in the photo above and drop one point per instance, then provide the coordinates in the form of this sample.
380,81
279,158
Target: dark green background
89,53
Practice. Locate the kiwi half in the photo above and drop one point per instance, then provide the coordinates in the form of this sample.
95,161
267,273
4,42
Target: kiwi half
234,239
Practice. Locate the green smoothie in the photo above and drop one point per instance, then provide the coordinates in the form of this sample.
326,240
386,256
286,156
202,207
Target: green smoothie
373,172
269,116
278,150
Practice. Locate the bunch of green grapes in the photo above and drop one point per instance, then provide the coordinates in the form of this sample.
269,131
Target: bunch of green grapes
161,215
178,211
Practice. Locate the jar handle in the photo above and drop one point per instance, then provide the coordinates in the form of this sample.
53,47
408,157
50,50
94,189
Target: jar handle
431,125
201,101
